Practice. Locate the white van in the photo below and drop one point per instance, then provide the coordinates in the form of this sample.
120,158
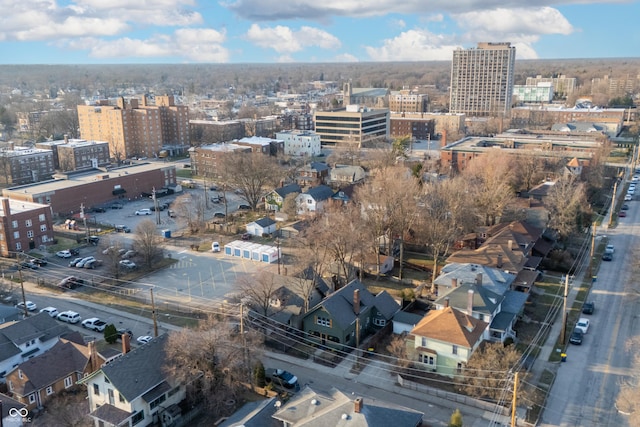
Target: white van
215,247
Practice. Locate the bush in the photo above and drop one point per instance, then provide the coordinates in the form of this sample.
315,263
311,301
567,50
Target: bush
110,333
259,375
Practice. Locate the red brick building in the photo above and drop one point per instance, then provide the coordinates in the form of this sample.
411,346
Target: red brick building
23,226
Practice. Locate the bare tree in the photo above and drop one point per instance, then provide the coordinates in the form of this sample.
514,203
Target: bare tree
65,409
251,174
529,170
260,289
147,242
111,248
565,202
190,209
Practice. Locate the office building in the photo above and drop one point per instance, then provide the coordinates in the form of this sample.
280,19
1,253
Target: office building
563,86
540,93
300,143
353,126
482,80
137,129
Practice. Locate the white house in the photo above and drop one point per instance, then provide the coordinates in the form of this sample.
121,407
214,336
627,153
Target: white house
28,338
134,389
300,143
261,227
314,199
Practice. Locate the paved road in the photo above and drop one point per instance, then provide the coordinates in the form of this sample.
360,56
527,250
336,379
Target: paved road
586,386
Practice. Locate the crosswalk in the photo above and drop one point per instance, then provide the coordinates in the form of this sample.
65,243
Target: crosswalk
183,263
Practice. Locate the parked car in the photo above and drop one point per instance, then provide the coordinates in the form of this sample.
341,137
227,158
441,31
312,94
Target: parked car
28,264
31,306
282,377
122,229
576,337
244,207
583,325
143,339
143,212
83,261
127,264
74,251
607,257
609,249
588,307
69,317
246,236
92,264
74,262
51,311
628,197
94,323
219,215
63,254
622,214
98,209
93,240
215,247
106,251
129,254
116,206
153,208
625,207
70,282
215,199
39,261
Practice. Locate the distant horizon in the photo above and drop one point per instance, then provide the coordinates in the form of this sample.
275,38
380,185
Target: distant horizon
91,32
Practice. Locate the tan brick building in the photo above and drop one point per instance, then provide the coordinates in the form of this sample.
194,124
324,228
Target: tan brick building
408,101
77,154
137,129
23,165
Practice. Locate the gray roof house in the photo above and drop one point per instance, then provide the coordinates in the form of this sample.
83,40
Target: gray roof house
134,389
314,199
27,338
309,408
261,227
9,314
273,200
346,174
333,321
456,274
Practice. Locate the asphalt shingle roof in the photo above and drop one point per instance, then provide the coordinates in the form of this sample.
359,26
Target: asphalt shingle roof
41,326
321,192
288,189
140,370
450,326
264,222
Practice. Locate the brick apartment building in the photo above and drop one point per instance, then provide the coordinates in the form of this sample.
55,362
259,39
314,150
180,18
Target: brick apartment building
137,128
96,187
23,226
206,160
23,165
77,154
408,101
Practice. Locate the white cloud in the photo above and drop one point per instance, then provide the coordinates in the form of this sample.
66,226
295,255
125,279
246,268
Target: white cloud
194,45
398,23
545,20
283,39
413,45
345,57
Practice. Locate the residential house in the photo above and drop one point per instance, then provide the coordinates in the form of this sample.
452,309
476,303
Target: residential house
135,389
293,229
10,407
345,174
345,194
455,274
404,322
313,200
10,314
254,414
444,340
346,316
274,200
28,338
309,408
370,264
38,379
261,226
314,173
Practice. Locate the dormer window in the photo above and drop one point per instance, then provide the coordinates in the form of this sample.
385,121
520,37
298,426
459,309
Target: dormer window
20,373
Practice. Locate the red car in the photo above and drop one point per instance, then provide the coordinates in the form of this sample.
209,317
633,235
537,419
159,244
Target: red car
622,214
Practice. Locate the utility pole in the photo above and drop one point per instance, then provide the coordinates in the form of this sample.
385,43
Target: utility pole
24,297
153,315
613,203
155,204
593,249
513,403
279,254
357,341
564,310
84,219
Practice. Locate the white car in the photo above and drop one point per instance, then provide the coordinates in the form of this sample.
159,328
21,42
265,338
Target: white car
84,261
127,264
635,178
215,247
144,339
583,325
143,212
609,249
628,197
31,306
69,317
51,311
95,324
63,254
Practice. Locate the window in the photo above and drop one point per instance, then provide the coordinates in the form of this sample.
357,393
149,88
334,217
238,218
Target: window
10,386
323,321
43,227
423,342
139,416
427,360
18,246
28,223
29,233
68,382
156,402
379,322
173,391
20,373
41,217
49,391
14,224
112,399
120,397
96,389
16,234
32,398
454,349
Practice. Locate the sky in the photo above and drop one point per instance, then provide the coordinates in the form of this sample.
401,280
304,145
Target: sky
307,31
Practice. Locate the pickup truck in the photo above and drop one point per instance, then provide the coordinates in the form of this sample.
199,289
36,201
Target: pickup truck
283,378
95,324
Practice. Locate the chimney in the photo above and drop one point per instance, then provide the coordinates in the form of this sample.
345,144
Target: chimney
356,301
446,302
479,279
510,245
66,138
6,208
357,405
499,264
470,302
443,138
126,343
454,282
93,356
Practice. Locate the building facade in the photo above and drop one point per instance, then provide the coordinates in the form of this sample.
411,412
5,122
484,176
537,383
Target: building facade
482,80
137,129
300,143
77,154
541,93
418,128
563,86
207,159
353,126
407,101
23,165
